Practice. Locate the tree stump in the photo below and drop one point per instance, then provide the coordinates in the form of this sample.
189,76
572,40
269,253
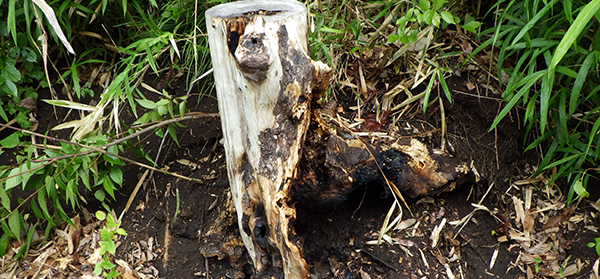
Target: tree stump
265,81
283,147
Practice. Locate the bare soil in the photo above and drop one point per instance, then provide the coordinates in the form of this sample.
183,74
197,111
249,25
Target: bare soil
335,242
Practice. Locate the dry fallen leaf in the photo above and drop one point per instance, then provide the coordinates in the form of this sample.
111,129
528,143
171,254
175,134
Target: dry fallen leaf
470,86
364,275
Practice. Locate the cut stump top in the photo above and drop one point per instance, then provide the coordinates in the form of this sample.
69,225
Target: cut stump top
275,10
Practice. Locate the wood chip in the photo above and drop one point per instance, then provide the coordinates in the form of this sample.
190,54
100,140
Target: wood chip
435,235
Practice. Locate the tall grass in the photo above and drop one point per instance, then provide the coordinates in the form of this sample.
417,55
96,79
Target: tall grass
550,51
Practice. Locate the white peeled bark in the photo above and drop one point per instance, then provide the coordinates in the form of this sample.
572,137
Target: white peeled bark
265,81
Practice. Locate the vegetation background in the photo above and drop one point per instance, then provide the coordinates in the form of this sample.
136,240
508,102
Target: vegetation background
93,56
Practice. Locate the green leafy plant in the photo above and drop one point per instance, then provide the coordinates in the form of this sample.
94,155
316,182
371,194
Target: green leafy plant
108,234
538,261
418,17
118,50
595,245
20,75
52,180
550,52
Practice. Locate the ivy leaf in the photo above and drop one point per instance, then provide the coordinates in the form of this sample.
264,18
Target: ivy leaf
578,188
117,176
14,181
10,87
10,141
28,54
447,17
11,73
428,16
424,5
4,199
100,195
14,223
100,215
392,38
436,20
13,52
105,235
146,103
472,26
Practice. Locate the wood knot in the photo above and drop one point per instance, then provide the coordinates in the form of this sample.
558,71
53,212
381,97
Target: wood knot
252,56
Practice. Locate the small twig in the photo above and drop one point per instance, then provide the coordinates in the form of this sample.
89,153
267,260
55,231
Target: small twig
188,116
132,197
162,142
106,152
472,212
379,260
391,185
9,123
35,192
360,204
199,78
206,265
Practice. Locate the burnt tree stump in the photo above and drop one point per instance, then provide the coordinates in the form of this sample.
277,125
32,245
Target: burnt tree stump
265,82
283,147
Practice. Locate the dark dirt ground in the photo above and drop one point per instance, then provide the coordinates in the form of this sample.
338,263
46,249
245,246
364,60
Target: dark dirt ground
334,242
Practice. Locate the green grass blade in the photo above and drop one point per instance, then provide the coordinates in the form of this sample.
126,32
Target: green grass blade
11,24
444,85
581,77
562,115
75,77
545,92
428,91
529,81
574,31
568,9
593,133
563,160
533,21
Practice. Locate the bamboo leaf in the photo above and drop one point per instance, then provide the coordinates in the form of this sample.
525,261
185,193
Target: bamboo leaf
75,77
444,86
528,81
72,105
428,92
42,202
580,80
14,181
545,92
533,21
11,24
593,134
563,160
51,17
568,9
576,28
562,114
